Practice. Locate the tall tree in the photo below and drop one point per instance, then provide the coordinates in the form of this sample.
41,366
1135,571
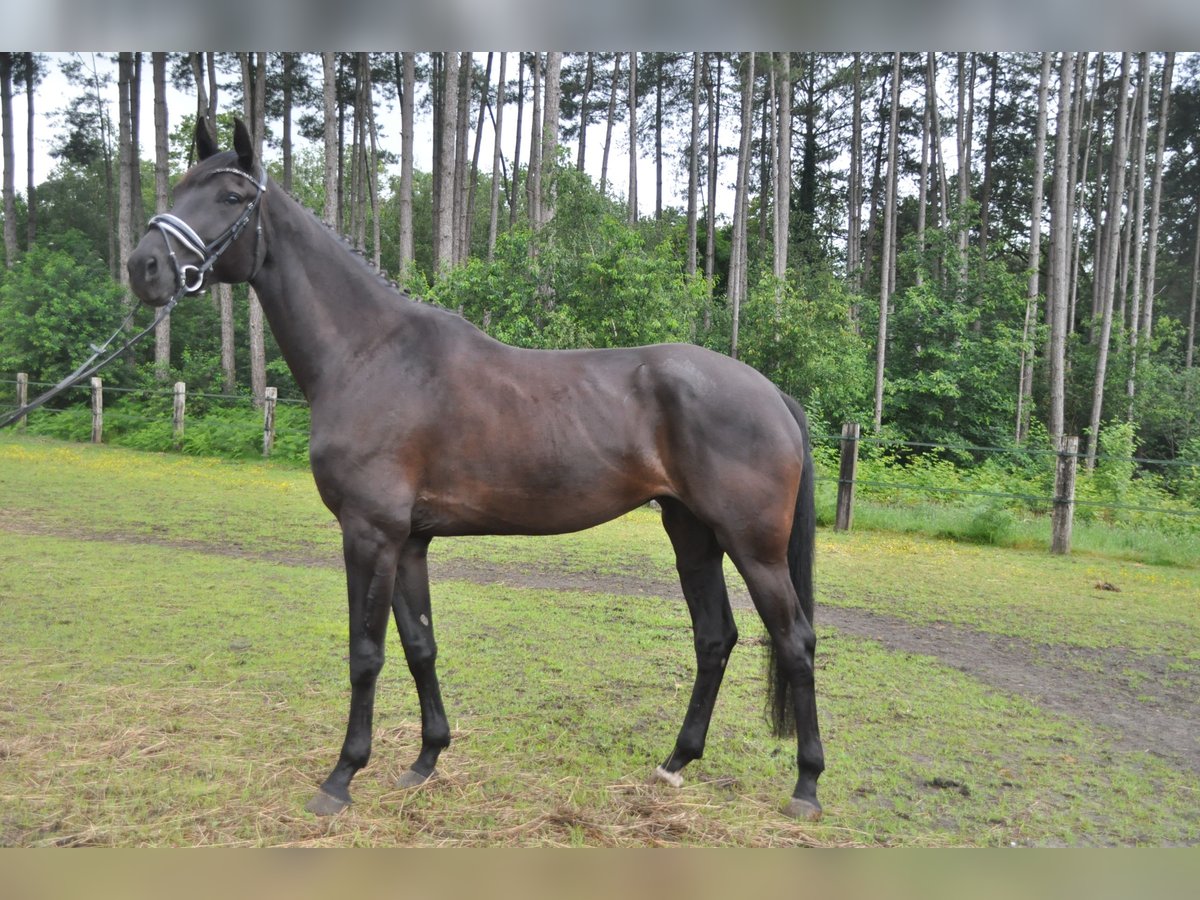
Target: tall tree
33,73
1116,189
550,134
126,160
533,185
738,270
158,63
329,119
1164,110
408,82
444,239
1057,294
494,216
6,116
1138,190
693,165
1025,386
585,114
854,225
612,116
254,90
633,141
484,102
713,90
783,168
516,167
466,70
889,215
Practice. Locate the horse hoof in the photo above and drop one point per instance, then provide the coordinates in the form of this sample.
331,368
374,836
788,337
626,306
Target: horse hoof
674,779
804,810
323,804
411,778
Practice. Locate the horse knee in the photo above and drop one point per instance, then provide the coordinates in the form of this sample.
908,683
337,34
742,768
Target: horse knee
366,662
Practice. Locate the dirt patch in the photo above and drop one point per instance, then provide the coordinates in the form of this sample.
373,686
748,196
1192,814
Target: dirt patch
1146,701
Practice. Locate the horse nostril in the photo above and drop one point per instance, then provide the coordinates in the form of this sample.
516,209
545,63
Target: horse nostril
151,267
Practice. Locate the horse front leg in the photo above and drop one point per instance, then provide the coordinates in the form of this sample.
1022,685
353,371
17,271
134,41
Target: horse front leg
371,558
414,621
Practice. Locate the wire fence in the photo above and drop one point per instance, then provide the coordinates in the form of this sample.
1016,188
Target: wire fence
233,424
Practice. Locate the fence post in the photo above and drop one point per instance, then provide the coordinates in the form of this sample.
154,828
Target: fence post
177,418
846,473
22,396
270,395
1064,495
97,410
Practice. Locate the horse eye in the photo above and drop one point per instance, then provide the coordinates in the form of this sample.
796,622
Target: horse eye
232,199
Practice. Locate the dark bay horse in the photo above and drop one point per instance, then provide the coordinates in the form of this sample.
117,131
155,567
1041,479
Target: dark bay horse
423,426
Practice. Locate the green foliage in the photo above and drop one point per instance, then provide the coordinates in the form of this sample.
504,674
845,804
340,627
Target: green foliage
798,333
55,301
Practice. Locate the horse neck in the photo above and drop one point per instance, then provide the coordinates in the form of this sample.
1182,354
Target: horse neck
324,304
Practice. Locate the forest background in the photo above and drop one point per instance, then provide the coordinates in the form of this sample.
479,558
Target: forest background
990,249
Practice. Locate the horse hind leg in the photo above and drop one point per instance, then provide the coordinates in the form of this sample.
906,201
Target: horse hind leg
698,558
793,643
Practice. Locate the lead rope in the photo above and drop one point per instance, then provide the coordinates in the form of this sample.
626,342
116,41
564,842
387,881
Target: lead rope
168,225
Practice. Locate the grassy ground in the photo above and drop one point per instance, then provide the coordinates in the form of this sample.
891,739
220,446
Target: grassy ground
173,671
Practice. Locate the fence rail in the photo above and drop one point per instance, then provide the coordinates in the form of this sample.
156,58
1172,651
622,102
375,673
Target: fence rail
1061,503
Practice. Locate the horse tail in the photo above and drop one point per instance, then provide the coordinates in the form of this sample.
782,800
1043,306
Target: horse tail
780,709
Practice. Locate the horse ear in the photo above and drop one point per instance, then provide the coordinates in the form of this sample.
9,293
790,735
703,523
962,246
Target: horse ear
243,145
206,145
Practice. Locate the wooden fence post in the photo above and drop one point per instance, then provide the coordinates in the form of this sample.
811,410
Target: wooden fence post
178,413
846,473
1064,495
269,397
97,410
22,396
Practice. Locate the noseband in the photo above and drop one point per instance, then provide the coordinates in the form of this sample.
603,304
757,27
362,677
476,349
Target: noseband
190,278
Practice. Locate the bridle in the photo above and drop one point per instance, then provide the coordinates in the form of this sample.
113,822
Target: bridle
190,278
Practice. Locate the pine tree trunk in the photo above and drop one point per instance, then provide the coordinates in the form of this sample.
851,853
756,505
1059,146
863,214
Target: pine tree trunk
550,135
10,190
329,101
137,205
854,225
737,263
1164,110
288,86
889,216
1138,190
985,189
466,80
584,112
1059,230
783,169
494,215
408,83
1025,385
710,220
254,78
373,168
30,150
923,190
473,179
658,144
1116,197
162,331
693,165
633,143
443,257
534,183
1190,353
126,158
612,115
1078,183
512,187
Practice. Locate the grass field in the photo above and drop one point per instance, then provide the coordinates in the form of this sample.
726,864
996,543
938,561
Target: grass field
172,672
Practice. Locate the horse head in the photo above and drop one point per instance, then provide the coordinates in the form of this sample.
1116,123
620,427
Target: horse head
204,236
